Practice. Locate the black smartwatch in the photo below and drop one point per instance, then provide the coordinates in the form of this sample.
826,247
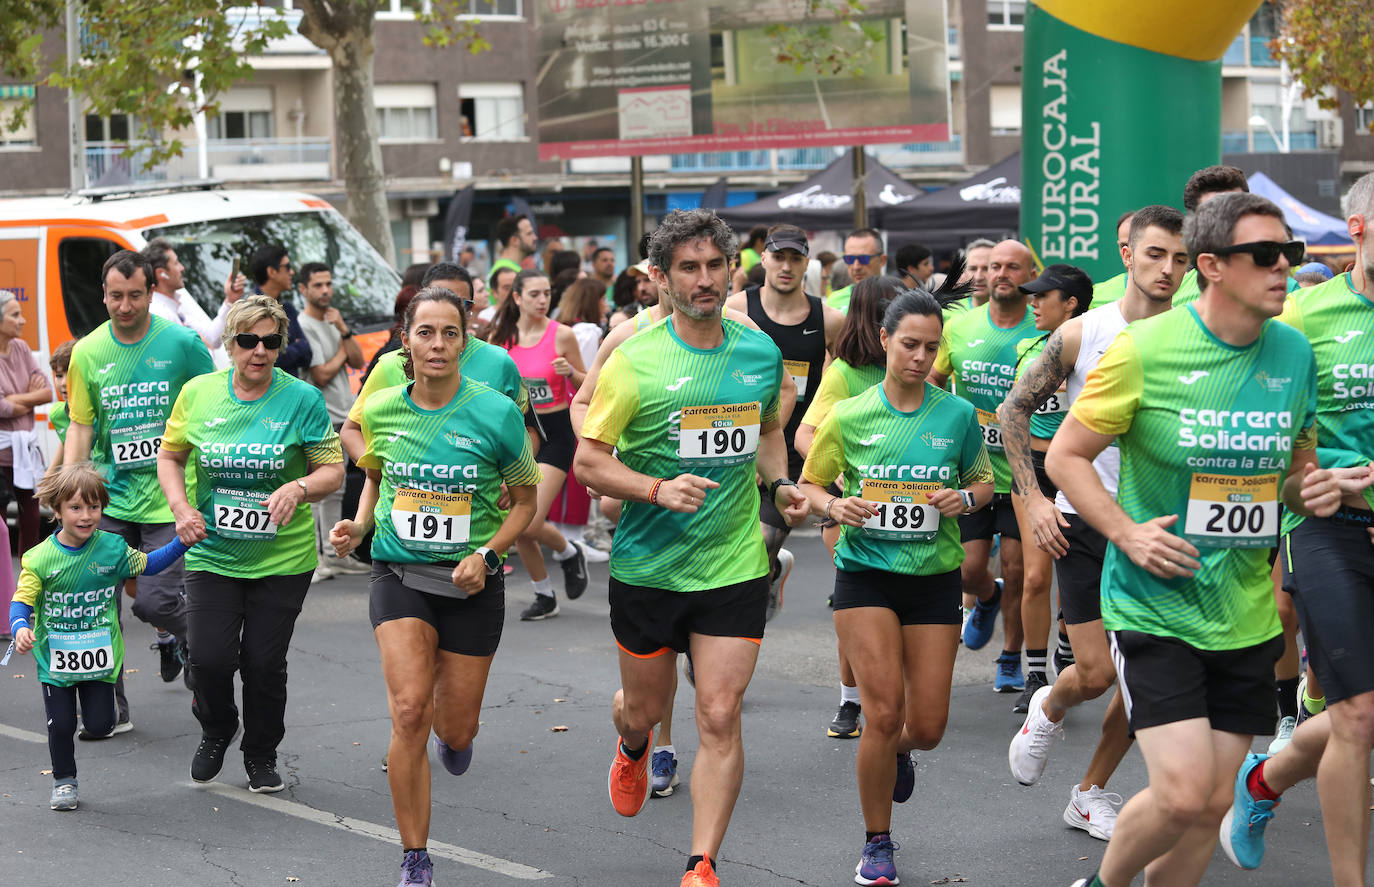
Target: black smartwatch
347,335
490,558
780,482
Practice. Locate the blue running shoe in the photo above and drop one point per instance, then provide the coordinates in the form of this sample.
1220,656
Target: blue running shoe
455,761
906,779
978,628
416,870
1009,678
664,768
875,865
1242,829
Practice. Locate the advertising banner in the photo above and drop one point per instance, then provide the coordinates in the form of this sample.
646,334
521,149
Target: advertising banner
634,77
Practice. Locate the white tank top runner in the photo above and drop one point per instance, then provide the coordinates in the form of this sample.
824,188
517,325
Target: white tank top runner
1100,328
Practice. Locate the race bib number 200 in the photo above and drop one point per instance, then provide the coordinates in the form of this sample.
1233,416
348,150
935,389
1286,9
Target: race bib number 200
718,435
1229,511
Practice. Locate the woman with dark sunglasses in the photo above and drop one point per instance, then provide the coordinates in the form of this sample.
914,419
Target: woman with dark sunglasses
263,447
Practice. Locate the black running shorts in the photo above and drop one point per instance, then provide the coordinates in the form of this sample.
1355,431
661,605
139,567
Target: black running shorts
996,517
649,622
1080,572
917,600
468,626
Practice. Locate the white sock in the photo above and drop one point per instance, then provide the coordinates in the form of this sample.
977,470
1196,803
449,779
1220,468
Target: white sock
544,587
849,694
566,553
668,748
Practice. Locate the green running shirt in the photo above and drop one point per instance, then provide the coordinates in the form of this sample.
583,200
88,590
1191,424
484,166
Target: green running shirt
480,361
839,382
73,598
673,409
896,459
60,420
980,360
241,452
1045,421
1207,432
1338,321
442,471
126,393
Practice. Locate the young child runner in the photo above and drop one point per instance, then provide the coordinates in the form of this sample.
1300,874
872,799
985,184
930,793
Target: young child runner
64,611
59,362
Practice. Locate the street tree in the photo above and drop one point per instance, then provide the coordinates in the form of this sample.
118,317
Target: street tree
1327,45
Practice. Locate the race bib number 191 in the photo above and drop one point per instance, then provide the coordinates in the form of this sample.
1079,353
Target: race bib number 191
426,520
1228,511
904,510
718,435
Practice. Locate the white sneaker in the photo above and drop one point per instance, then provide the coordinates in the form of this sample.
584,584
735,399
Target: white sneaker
775,587
1094,811
1030,747
1283,735
322,572
594,554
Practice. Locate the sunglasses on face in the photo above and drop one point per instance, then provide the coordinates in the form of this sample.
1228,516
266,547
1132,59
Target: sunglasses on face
864,259
1265,253
248,341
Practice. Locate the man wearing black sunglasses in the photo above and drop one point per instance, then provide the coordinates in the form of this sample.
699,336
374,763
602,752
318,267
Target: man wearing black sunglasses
271,270
1214,408
863,257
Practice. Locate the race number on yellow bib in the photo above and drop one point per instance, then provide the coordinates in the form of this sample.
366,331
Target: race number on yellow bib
133,449
242,514
541,392
992,431
799,370
81,655
1227,511
904,510
718,435
426,520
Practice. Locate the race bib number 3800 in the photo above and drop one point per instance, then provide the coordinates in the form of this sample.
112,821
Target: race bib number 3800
718,435
427,520
1227,511
904,510
81,655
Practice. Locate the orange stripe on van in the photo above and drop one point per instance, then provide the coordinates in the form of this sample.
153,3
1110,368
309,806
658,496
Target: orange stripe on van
316,203
133,224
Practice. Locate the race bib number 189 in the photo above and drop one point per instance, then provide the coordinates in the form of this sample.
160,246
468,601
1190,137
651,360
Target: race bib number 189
904,510
718,435
1228,511
426,520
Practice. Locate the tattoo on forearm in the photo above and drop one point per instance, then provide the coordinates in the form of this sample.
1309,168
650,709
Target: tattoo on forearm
1041,379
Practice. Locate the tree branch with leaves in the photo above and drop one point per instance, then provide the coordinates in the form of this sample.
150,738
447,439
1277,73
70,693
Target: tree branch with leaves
1327,45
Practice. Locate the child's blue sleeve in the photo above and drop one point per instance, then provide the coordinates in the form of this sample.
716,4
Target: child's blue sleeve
20,612
164,557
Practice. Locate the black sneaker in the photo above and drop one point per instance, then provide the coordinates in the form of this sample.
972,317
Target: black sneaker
209,759
544,607
122,725
185,653
846,723
169,660
1034,681
574,573
1062,661
262,775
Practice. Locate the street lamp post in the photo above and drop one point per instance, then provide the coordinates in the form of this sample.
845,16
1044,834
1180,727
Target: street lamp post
1259,120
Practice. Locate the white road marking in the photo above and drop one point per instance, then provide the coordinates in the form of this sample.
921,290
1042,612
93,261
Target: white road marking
25,735
380,832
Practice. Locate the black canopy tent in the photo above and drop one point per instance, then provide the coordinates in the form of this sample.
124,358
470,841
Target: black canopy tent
985,205
825,202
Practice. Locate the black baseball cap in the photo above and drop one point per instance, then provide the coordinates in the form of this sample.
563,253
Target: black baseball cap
1068,279
787,237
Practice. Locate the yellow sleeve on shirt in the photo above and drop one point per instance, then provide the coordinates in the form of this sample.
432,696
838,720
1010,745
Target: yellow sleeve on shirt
825,460
614,402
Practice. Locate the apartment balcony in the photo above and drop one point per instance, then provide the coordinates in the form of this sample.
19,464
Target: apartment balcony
233,160
1236,142
804,159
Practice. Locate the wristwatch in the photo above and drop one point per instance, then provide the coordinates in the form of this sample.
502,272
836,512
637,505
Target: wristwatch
969,501
490,558
300,482
347,335
780,482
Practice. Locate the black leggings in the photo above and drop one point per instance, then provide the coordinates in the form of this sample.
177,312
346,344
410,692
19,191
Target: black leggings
97,712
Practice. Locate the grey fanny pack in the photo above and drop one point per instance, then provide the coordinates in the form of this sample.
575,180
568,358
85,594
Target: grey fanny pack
429,578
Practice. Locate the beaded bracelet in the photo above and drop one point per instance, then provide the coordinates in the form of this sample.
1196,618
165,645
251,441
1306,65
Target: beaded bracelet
653,491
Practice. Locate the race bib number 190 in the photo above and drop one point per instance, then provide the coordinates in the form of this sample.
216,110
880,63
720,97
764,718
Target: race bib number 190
718,435
904,510
1228,511
426,520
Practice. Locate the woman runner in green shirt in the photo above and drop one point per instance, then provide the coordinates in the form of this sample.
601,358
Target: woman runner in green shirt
913,461
437,453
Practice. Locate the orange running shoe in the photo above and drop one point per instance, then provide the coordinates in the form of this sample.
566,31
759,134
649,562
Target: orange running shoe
701,876
628,782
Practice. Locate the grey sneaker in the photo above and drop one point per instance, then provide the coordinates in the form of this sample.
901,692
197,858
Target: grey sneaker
64,795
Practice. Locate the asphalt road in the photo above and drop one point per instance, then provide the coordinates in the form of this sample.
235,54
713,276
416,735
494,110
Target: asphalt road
534,807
